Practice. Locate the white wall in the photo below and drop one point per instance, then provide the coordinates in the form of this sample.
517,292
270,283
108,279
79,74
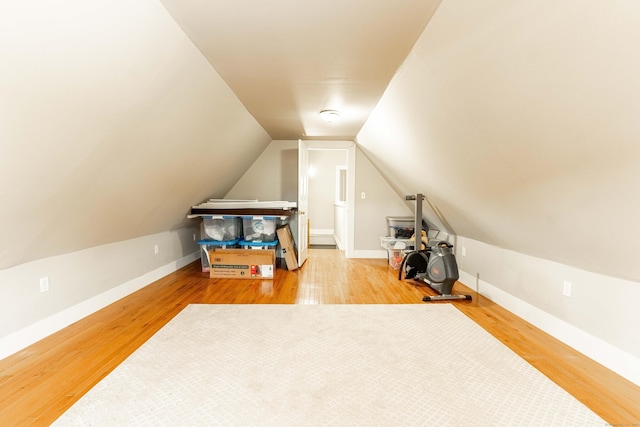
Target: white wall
265,178
272,176
340,225
522,116
371,212
83,282
597,318
518,121
112,125
322,187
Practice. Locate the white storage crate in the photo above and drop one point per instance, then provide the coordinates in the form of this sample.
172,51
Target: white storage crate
393,243
396,249
401,226
395,258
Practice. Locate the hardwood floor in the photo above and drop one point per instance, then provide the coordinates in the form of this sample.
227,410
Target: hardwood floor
40,382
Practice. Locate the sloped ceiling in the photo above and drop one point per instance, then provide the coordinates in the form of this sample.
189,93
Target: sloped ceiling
289,59
519,120
112,124
114,121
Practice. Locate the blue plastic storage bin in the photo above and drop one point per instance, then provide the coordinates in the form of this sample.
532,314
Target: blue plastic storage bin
258,245
259,228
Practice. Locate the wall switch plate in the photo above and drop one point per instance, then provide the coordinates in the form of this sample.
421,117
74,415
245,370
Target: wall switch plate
464,251
44,284
156,249
363,195
566,288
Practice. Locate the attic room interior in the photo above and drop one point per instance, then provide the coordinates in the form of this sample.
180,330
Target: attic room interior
517,121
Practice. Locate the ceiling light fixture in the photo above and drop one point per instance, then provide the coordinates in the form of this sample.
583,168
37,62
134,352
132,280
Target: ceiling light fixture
330,115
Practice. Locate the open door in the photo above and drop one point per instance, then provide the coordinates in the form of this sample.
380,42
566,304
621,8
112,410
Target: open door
303,202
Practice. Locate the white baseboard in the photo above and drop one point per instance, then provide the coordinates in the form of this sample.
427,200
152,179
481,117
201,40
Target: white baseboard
321,236
34,333
320,231
602,352
378,253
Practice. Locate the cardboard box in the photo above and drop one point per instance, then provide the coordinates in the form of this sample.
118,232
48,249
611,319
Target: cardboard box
206,246
242,264
288,247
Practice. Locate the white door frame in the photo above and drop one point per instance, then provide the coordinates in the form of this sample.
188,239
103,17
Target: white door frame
350,148
303,201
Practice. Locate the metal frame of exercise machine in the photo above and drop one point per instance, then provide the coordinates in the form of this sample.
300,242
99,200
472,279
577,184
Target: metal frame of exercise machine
447,262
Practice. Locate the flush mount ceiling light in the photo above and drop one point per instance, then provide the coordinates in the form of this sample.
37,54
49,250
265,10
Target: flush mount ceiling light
330,115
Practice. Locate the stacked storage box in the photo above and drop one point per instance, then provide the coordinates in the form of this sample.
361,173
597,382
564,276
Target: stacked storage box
396,247
221,228
221,232
259,232
259,228
257,245
207,245
228,243
401,226
242,264
398,241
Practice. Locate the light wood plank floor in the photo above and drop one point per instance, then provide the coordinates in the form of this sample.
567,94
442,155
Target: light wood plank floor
39,383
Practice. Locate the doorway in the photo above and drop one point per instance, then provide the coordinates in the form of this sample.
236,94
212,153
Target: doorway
329,199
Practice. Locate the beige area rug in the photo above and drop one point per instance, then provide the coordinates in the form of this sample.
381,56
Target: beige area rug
326,365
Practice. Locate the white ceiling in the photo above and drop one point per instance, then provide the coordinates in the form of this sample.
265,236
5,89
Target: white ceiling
289,59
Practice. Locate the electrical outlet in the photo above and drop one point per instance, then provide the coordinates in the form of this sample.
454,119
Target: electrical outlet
44,284
156,249
566,288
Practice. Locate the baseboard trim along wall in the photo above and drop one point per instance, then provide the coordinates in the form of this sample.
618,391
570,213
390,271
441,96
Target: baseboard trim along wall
381,253
45,327
602,352
321,236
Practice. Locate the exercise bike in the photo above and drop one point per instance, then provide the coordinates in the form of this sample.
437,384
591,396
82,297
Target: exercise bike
435,265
